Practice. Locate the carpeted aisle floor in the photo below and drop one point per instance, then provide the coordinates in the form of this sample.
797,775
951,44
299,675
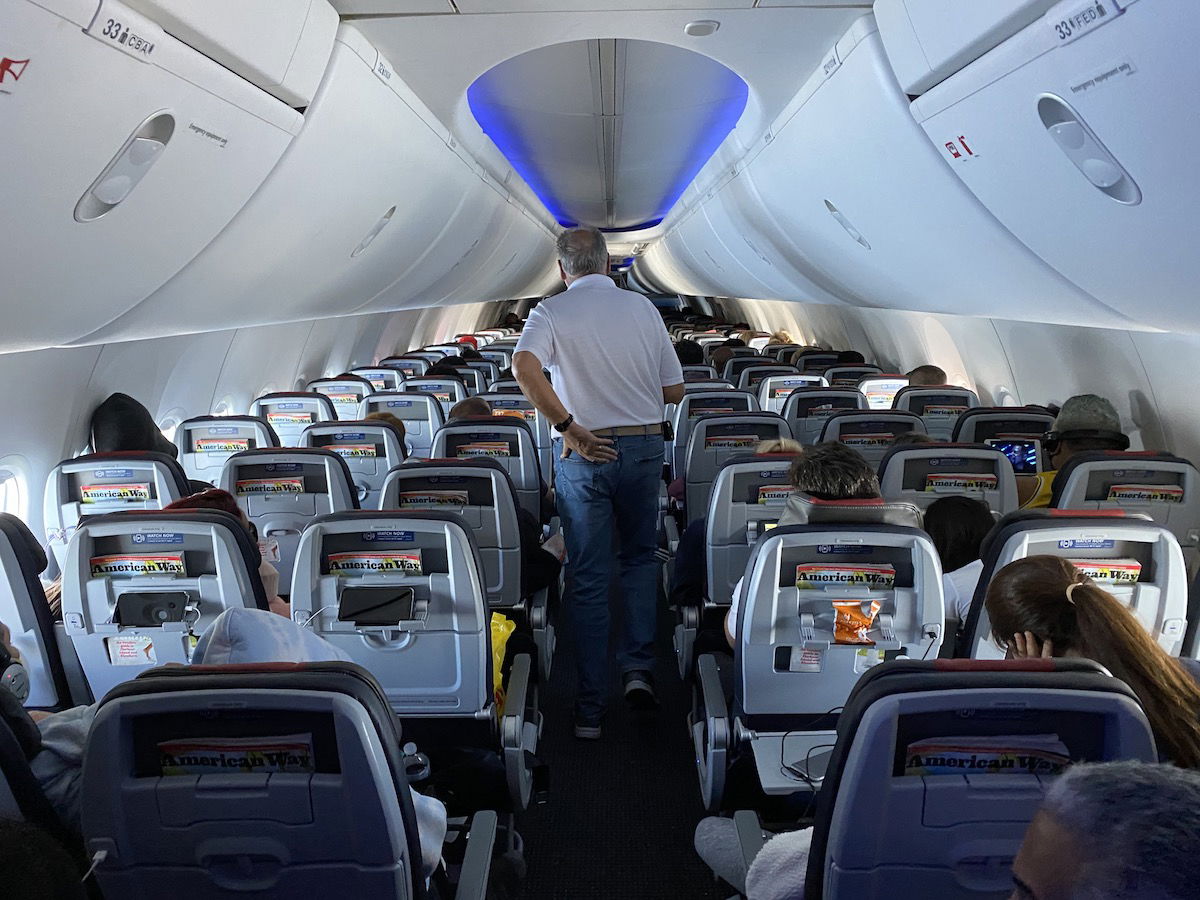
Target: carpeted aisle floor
622,810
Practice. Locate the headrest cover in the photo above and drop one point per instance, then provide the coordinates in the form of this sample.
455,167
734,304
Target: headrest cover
805,509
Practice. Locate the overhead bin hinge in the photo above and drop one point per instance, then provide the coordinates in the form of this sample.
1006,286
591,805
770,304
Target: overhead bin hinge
123,29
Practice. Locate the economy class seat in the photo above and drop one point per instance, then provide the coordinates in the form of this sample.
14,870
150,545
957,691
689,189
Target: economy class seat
921,474
421,413
205,442
370,447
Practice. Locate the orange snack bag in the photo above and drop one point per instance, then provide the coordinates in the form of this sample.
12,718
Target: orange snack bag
851,624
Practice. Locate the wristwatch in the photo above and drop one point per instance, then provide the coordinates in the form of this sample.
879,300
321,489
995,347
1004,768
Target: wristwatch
564,424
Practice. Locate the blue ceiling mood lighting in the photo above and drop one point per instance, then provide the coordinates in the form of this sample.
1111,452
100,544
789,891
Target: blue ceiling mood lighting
608,132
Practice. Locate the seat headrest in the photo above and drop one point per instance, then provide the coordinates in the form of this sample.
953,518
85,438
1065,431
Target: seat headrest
757,457
931,451
30,554
804,509
1023,519
168,461
490,423
234,420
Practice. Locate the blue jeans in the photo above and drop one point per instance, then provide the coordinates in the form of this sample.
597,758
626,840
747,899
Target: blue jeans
593,499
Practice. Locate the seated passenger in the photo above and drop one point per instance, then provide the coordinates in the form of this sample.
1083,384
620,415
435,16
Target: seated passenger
782,336
690,353
689,579
958,526
443,368
828,471
1040,606
914,437
396,422
1113,831
1085,422
236,637
223,501
735,342
470,354
926,376
121,423
850,358
511,320
719,356
472,406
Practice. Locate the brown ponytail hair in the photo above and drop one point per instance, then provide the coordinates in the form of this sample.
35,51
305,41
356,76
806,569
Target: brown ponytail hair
1030,594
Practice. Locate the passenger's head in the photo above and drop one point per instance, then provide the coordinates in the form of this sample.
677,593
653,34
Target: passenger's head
470,354
850,358
913,437
35,866
215,499
1085,422
397,423
581,251
472,406
926,376
782,336
122,423
719,356
958,526
442,369
511,320
690,353
1113,831
1047,596
779,445
833,471
738,341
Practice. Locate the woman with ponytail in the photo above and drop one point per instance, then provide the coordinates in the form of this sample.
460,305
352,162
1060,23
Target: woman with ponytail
1041,606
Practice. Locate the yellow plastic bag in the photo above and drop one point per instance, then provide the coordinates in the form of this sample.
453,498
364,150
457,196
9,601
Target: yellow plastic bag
502,627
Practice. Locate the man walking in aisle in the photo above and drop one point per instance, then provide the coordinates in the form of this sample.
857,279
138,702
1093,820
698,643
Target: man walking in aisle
613,369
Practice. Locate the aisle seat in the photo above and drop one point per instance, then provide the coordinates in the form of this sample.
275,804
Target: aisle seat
505,439
870,432
717,438
939,406
421,413
807,408
448,391
370,447
205,442
290,412
923,473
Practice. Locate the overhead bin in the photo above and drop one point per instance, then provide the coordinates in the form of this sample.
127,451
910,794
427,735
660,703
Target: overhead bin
1077,135
281,46
929,40
135,151
362,199
864,204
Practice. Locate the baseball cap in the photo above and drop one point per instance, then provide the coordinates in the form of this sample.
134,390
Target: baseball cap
1087,412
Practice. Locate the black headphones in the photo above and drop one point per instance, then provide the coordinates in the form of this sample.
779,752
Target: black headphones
13,676
1052,440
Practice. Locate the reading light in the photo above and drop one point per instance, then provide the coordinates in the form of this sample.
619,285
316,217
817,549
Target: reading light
701,28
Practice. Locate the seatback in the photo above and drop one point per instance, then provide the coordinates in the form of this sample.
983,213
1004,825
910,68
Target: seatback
719,384
481,492
816,361
984,423
543,434
739,362
922,473
370,448
849,376
780,352
774,390
1136,560
402,593
808,408
748,497
715,439
870,432
344,393
475,380
245,780
139,588
897,815
787,660
433,357
489,370
447,391
445,349
504,386
939,406
408,366
290,412
699,373
880,390
98,483
1160,485
703,403
24,610
421,413
507,440
281,491
752,376
381,378
501,356
205,442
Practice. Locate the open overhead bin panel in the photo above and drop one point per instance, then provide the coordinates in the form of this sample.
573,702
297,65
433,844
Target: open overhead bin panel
359,201
929,40
863,202
1077,135
136,151
281,46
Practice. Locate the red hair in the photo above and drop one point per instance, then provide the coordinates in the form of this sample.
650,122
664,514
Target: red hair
214,498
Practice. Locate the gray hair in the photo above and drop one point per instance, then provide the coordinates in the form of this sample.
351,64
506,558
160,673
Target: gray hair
1138,826
582,251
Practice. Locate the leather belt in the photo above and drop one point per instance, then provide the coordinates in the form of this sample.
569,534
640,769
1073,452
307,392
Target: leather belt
629,430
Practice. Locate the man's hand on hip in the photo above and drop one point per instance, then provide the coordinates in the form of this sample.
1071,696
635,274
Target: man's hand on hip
592,448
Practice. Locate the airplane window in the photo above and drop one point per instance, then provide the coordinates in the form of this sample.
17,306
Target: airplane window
167,427
224,408
12,488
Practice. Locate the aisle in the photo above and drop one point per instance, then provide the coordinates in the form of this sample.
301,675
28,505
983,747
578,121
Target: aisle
622,809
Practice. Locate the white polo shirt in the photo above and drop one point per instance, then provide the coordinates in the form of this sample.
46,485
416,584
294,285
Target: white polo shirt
607,350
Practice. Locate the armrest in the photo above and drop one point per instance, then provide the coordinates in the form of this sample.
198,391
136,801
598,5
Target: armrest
477,858
749,834
710,687
518,733
671,527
